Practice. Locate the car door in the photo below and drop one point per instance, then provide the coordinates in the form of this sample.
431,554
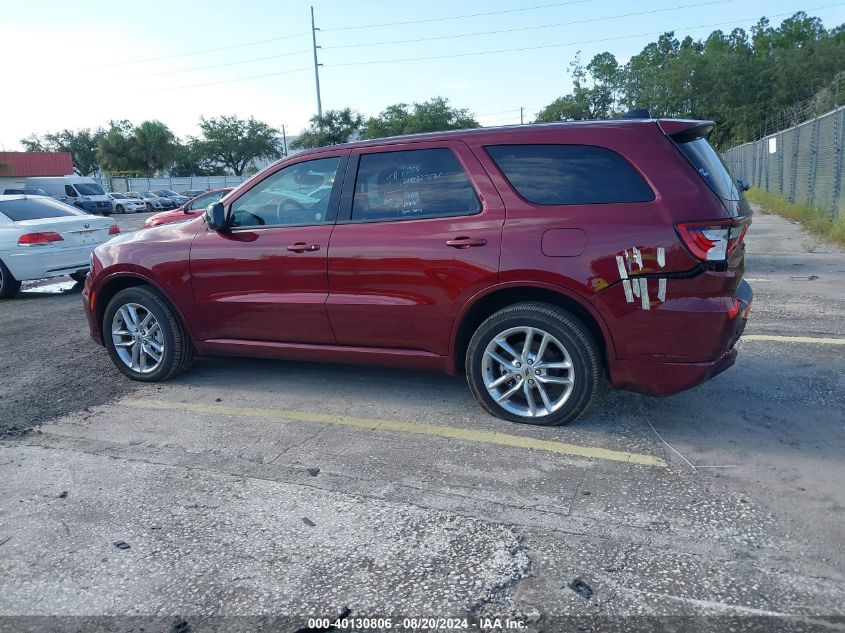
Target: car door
264,278
419,235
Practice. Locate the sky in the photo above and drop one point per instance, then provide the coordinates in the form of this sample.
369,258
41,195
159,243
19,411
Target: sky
80,64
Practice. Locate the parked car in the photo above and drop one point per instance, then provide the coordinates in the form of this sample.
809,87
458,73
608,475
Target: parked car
176,198
25,192
193,193
189,210
536,259
41,237
166,203
80,191
121,203
152,202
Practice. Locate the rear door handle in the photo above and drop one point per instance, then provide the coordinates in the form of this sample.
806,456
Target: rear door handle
302,247
466,242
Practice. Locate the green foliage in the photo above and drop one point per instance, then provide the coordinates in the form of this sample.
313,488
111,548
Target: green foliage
146,149
333,128
235,143
814,220
434,115
81,144
737,79
191,160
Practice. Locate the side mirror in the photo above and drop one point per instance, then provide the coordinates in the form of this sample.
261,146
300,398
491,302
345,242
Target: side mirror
215,216
744,186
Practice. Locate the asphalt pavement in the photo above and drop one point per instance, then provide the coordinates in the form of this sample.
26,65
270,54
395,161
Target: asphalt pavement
270,488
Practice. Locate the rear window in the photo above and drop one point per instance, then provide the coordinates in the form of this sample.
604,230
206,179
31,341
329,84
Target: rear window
708,163
570,174
34,209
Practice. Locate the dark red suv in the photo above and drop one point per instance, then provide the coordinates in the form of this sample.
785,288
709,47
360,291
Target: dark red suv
537,259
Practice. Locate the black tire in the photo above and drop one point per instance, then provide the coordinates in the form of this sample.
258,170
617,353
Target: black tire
149,208
568,330
9,286
121,209
178,353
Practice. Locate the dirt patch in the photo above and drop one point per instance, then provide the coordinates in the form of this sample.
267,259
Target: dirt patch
49,366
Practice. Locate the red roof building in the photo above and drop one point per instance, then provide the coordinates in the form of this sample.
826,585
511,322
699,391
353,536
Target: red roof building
24,164
16,167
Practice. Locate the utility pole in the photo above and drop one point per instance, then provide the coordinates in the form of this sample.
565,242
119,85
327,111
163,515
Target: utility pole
521,115
284,141
317,65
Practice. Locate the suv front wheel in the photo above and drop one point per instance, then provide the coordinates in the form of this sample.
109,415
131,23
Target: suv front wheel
144,336
533,363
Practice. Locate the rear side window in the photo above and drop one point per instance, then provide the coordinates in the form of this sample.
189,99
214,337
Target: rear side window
409,185
710,166
32,209
570,174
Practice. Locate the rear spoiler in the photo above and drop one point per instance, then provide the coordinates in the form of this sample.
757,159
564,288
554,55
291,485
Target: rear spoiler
680,130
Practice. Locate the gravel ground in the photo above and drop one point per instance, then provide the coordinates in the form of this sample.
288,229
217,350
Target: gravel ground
50,365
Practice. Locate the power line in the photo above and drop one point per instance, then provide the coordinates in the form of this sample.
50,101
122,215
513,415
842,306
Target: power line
528,28
206,50
560,45
229,81
456,17
243,61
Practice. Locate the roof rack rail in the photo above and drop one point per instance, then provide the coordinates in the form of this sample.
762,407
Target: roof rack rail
638,113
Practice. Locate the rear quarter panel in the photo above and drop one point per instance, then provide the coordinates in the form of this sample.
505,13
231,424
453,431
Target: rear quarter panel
579,248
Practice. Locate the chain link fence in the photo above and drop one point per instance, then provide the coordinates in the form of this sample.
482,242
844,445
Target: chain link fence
802,163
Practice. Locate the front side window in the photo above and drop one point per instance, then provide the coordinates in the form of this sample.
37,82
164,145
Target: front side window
413,184
295,195
70,191
570,174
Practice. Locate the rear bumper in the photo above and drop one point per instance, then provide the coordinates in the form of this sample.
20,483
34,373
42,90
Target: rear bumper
666,378
41,262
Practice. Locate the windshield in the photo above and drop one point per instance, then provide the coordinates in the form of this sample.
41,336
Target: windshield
35,209
118,196
149,194
169,193
89,188
710,166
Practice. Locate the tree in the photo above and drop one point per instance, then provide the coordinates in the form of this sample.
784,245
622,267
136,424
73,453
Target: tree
81,144
434,115
115,150
154,146
235,143
740,80
594,94
333,128
191,160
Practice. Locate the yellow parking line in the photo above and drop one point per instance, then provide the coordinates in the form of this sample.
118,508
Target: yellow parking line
470,435
794,339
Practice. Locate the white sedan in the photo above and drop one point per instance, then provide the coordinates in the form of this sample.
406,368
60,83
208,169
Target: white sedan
42,237
121,203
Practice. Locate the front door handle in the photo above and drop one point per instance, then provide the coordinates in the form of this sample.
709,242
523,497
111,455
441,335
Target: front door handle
302,247
466,242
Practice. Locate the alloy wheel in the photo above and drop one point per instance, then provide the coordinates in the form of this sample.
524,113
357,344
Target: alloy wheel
528,372
138,338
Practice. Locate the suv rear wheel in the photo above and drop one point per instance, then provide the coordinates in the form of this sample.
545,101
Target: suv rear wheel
144,336
533,363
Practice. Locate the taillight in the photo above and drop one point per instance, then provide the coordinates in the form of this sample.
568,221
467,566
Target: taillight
712,241
39,239
114,229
